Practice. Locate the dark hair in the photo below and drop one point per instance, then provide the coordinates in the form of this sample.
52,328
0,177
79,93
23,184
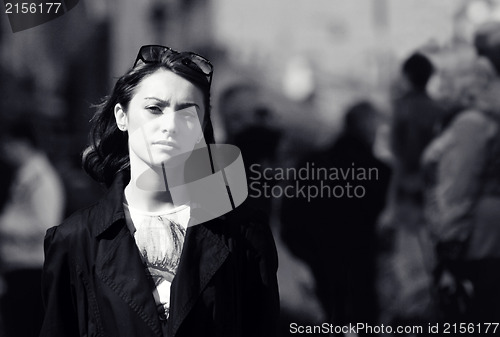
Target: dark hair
358,117
107,153
418,68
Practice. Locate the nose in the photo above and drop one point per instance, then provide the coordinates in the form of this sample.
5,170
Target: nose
168,121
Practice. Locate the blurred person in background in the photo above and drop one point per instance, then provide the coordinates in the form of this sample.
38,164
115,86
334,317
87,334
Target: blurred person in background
237,105
335,236
35,202
415,121
250,123
259,141
463,189
140,262
416,117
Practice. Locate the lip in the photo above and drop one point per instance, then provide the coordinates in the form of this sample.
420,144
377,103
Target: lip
166,143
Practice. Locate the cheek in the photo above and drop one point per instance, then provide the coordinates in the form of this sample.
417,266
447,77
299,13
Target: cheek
140,120
190,136
195,126
138,141
189,123
141,131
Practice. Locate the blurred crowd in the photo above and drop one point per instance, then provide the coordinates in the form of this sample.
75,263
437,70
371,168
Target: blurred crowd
421,246
418,246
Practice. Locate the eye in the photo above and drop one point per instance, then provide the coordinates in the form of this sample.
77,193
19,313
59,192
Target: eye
154,109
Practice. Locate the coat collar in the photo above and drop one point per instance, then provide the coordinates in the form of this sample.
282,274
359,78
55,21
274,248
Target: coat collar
110,208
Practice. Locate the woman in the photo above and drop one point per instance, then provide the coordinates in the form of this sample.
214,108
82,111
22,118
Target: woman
135,264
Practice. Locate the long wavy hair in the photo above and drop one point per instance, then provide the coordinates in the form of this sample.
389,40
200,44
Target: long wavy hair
107,152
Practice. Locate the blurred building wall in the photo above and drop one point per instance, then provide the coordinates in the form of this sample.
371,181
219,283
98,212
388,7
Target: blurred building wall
339,35
181,25
352,48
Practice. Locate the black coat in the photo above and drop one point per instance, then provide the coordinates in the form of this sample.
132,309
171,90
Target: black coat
95,283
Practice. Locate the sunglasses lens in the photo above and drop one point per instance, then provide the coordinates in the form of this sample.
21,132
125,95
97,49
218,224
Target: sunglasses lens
151,54
203,64
197,63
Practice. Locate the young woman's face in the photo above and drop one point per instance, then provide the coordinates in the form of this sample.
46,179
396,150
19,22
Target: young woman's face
163,119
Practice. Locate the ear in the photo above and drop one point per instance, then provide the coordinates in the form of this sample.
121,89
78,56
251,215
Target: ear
121,117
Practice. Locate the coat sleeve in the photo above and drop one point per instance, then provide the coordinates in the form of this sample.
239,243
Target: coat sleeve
60,314
260,305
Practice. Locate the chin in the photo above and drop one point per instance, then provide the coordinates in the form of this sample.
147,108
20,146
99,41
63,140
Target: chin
172,161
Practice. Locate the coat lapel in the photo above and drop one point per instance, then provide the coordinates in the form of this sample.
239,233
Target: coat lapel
118,261
202,255
120,266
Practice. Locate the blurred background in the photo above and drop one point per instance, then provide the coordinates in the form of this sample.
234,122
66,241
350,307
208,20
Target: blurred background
286,74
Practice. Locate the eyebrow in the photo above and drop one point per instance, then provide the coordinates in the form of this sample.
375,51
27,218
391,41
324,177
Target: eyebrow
179,106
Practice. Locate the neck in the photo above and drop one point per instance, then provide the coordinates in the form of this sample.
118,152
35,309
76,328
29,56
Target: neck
152,189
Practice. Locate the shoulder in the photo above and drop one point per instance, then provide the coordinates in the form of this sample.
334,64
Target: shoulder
416,105
473,124
73,230
470,116
250,228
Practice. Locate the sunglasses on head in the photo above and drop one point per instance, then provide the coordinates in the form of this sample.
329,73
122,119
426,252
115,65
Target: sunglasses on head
155,53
